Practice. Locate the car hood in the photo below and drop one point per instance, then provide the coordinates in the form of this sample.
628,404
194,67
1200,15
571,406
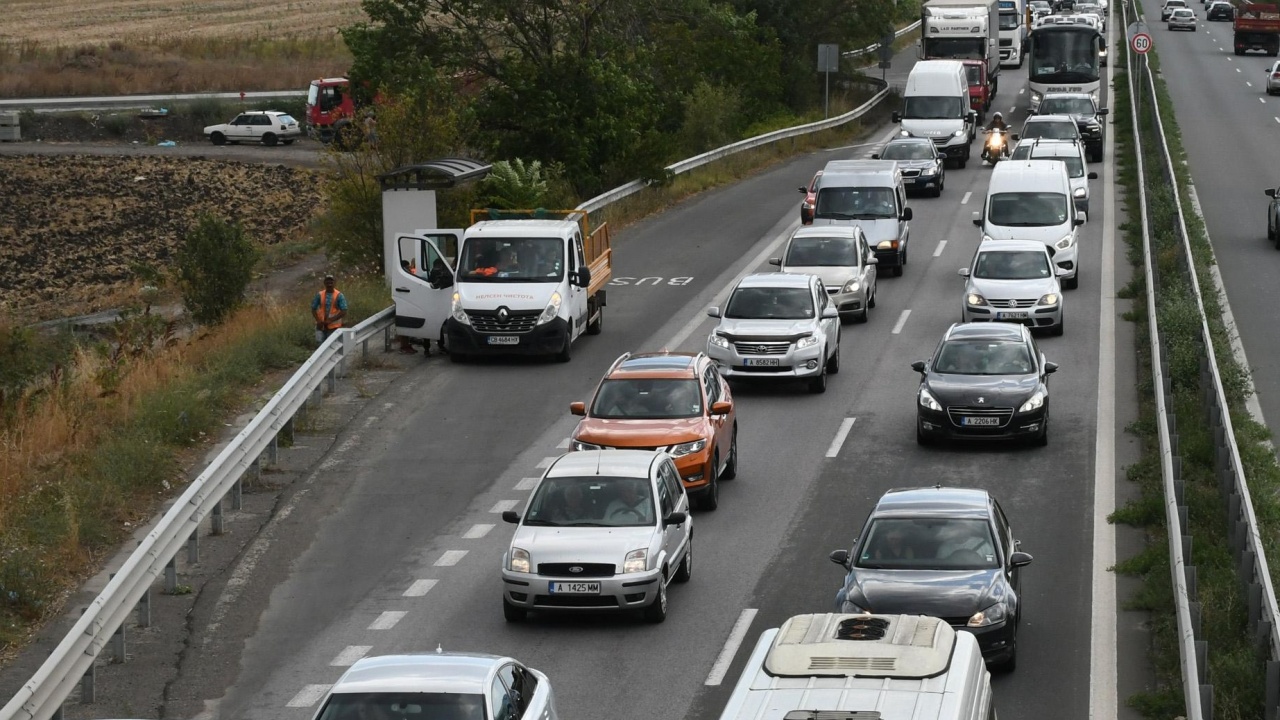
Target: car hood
916,164
764,329
932,128
994,390
514,296
1048,234
581,544
877,230
946,594
640,433
833,276
1012,289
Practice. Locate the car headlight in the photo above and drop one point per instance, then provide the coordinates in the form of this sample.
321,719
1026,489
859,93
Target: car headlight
927,401
717,341
974,299
851,286
687,448
989,616
552,310
1051,299
580,445
1035,402
1066,242
636,561
459,314
931,170
1079,192
805,342
519,560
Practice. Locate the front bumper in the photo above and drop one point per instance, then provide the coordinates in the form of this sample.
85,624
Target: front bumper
1036,316
803,363
921,181
995,641
851,303
1009,57
948,423
531,591
545,339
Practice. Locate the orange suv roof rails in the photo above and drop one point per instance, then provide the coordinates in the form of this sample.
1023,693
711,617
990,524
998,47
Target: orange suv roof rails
621,359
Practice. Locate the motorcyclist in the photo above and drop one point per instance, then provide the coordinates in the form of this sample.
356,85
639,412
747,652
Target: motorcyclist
997,123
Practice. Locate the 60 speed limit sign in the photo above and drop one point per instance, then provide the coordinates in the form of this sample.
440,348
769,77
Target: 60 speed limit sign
1140,43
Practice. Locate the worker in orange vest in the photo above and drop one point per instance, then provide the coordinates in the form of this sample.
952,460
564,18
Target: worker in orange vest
329,307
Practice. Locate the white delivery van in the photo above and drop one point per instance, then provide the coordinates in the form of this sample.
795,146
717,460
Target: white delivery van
871,195
1031,200
892,667
935,105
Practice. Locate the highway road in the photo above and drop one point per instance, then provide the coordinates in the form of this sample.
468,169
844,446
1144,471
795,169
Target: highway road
1229,128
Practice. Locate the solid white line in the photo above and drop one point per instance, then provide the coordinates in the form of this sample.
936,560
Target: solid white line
450,558
526,483
387,620
845,426
902,320
942,244
477,531
731,645
563,445
504,505
420,588
350,655
545,463
308,696
966,197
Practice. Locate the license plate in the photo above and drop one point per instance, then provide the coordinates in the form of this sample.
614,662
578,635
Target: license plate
981,421
504,340
768,362
1011,316
574,588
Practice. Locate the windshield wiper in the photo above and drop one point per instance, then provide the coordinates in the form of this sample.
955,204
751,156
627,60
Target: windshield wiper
541,523
870,216
586,524
834,216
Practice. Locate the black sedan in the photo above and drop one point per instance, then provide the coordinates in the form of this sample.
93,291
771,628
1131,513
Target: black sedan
944,552
923,167
1221,11
985,380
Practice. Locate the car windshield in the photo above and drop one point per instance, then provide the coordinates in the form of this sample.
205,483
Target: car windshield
974,74
855,203
822,252
770,303
422,705
647,399
1066,106
1027,209
1050,130
1011,265
908,151
595,501
984,357
512,260
928,544
933,107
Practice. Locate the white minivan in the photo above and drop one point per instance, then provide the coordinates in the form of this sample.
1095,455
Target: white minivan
1031,200
935,105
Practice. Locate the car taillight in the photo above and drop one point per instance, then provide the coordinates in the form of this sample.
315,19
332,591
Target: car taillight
1275,76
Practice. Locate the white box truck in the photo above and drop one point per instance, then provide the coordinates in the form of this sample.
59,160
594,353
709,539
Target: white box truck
962,30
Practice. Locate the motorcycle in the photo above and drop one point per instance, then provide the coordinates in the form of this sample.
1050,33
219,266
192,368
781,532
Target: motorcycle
996,147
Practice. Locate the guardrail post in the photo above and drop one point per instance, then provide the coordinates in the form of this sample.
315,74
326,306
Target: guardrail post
1206,701
1202,659
386,339
1255,602
237,491
117,645
88,684
273,450
1192,580
348,353
287,430
144,609
332,379
1272,709
171,575
193,548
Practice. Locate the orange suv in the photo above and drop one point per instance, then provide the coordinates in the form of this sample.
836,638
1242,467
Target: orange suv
674,402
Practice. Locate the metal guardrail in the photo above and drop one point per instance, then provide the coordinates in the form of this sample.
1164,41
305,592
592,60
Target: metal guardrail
876,46
133,102
1242,524
72,662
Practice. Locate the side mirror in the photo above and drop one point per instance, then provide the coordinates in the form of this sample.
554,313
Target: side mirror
1269,192
510,516
677,518
896,116
1093,176
840,557
906,213
1103,112
1080,217
963,272
918,366
829,312
1020,559
1050,368
873,260
713,311
973,116
804,190
577,408
977,219
875,156
584,277
1016,136
721,407
776,262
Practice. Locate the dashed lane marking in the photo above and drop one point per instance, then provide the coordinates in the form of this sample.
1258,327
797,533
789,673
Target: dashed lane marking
420,588
450,558
563,445
966,197
902,320
731,645
1246,82
350,655
942,244
545,463
477,531
526,483
1262,100
308,696
504,505
841,435
387,620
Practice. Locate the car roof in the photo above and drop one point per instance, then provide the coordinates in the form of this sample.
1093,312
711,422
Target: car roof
1013,173
993,244
984,330
1050,118
948,502
1066,95
780,280
263,112
848,231
909,140
619,463
656,365
1047,148
421,672
885,169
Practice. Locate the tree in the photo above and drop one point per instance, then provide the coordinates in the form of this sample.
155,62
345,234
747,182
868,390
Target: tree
215,264
515,184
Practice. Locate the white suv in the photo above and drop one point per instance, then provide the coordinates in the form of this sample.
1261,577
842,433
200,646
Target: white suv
265,126
1068,152
777,325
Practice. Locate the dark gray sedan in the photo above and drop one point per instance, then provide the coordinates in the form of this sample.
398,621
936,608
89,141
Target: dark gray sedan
921,164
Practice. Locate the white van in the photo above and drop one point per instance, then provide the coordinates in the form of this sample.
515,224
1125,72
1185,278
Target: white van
871,195
935,105
893,667
1031,200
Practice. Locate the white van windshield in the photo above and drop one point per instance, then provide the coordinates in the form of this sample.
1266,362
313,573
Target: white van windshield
512,260
933,107
1027,209
855,203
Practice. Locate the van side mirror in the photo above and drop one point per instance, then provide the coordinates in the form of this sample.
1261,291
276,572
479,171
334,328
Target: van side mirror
896,116
1080,218
776,262
918,366
873,260
830,312
804,190
713,311
510,516
963,272
977,219
875,156
577,408
675,518
1093,176
1016,136
583,277
1103,111
721,407
906,213
1269,192
840,557
1061,272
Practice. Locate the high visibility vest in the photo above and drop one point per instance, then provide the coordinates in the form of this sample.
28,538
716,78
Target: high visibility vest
328,304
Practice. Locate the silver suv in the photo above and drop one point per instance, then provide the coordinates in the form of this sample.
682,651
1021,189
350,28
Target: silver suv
603,530
777,325
1013,281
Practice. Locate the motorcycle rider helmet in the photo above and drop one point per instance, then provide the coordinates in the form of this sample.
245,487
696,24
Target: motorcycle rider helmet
997,116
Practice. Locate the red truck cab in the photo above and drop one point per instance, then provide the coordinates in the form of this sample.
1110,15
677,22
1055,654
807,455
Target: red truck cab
1257,27
979,87
329,107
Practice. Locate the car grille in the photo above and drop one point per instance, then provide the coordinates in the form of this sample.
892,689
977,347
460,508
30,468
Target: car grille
585,569
762,348
941,140
1006,42
1011,304
517,321
594,601
960,411
910,173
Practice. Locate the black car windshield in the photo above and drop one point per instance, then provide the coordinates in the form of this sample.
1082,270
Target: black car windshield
1028,209
424,705
512,260
770,303
928,544
1066,106
822,252
855,203
908,151
933,107
984,357
595,501
1011,265
1051,130
647,399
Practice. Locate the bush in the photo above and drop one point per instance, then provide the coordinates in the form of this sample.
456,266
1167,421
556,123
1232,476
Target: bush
711,118
515,185
215,265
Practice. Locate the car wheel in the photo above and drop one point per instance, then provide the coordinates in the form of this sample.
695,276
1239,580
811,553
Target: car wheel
1010,663
685,572
937,190
566,353
218,138
1072,282
657,610
819,383
962,162
513,613
1042,440
595,327
897,270
731,467
269,139
862,317
833,362
709,498
1061,327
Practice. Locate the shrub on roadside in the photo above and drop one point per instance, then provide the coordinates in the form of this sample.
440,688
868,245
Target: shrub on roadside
711,118
215,264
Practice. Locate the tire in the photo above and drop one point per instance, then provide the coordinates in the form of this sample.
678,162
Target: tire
512,613
709,498
218,138
897,271
1009,664
1060,328
962,162
818,384
657,610
864,316
1073,282
270,139
833,363
1042,440
871,301
566,352
594,327
684,573
441,342
731,467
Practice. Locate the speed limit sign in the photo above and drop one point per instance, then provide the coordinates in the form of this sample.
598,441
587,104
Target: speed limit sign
1140,43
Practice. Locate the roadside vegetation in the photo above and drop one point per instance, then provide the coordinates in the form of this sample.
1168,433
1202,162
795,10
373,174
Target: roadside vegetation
1235,663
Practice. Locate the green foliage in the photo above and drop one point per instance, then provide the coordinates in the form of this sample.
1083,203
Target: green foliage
514,184
214,266
712,118
25,354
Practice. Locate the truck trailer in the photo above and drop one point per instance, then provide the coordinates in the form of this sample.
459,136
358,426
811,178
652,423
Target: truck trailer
962,30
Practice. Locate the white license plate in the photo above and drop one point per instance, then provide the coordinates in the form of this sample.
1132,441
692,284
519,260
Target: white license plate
768,362
981,421
574,588
1011,316
504,340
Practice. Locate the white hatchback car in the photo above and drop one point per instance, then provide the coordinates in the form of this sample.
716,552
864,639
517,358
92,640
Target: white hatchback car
440,685
1273,78
1068,152
1013,281
263,126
